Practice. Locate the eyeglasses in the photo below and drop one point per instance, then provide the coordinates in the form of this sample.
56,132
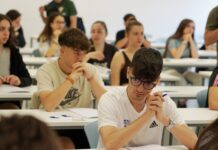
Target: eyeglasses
146,85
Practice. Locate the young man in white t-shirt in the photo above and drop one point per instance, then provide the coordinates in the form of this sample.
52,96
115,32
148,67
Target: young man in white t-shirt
134,115
69,82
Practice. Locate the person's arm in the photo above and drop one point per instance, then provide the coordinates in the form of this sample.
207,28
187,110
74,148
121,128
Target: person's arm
42,15
93,78
22,72
210,37
213,97
116,66
193,47
184,135
176,52
121,43
49,98
73,21
146,44
114,138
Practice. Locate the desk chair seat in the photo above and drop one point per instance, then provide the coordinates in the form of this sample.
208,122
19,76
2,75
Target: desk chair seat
91,131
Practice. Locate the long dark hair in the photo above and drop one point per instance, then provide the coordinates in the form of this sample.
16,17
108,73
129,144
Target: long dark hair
208,138
179,33
47,31
11,41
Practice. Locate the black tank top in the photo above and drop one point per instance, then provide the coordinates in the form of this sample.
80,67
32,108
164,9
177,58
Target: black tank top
123,78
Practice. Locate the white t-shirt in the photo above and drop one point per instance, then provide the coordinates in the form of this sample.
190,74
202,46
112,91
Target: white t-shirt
115,109
50,76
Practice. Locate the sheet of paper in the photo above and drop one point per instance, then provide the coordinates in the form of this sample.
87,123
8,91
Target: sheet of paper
147,147
85,112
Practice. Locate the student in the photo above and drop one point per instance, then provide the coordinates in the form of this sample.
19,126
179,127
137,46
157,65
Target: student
101,53
122,59
121,39
65,7
135,115
208,138
13,70
48,39
211,31
15,17
182,45
25,133
69,82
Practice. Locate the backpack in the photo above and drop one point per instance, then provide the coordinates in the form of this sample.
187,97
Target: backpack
213,90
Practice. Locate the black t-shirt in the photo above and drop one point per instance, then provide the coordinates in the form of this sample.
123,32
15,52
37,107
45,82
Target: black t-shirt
109,51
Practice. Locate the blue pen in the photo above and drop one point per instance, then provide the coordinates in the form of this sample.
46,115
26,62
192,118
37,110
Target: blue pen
163,95
53,117
65,115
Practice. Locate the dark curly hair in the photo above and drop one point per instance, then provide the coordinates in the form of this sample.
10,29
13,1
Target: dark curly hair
25,133
147,64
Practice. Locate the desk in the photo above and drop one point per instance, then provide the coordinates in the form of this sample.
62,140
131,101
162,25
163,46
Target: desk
189,62
15,93
198,116
26,51
207,54
53,119
205,74
37,61
175,92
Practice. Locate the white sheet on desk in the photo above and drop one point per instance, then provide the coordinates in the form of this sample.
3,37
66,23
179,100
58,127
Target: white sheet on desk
85,112
11,89
147,147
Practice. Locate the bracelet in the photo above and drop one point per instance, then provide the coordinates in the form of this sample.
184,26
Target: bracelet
170,125
70,79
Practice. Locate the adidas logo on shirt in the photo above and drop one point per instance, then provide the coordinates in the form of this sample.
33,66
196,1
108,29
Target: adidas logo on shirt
153,124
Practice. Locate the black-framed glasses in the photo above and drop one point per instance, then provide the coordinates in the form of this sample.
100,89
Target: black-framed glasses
146,85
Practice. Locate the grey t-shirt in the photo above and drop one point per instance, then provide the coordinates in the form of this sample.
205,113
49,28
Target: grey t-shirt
5,62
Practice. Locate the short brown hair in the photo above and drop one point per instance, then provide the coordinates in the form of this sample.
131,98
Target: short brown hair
74,38
26,132
132,23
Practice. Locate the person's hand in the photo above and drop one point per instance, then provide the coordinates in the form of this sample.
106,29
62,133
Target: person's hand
1,80
77,71
56,33
41,10
12,80
156,104
96,55
187,37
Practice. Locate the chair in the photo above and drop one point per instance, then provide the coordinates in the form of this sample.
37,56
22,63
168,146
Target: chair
91,131
202,98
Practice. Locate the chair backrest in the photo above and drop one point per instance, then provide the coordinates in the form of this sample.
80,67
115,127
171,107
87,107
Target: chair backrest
91,131
202,98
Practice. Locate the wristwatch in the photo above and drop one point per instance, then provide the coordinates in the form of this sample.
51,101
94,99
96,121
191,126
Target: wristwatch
171,124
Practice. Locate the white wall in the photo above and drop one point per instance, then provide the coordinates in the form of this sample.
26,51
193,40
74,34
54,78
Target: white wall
160,17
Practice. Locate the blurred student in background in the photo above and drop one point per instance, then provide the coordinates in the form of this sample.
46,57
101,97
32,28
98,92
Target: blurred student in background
101,53
15,17
183,45
65,7
121,41
48,39
122,59
13,70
